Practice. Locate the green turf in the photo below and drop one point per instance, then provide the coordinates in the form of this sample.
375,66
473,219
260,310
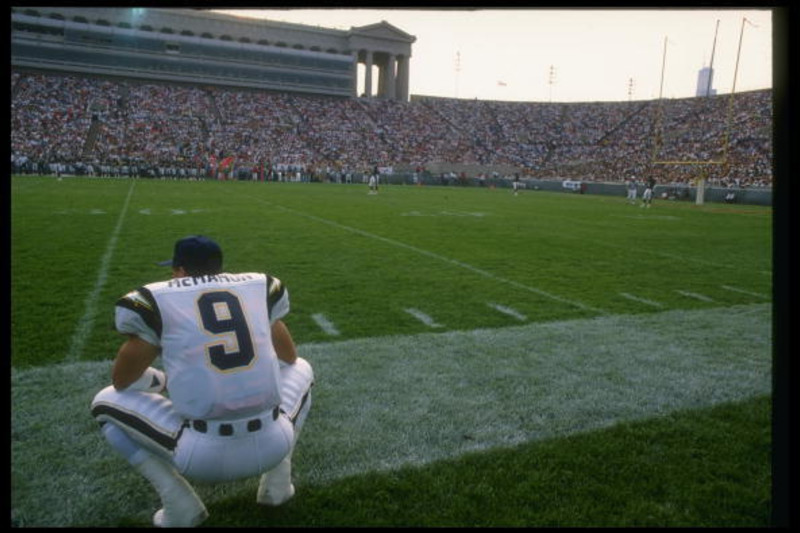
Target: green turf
690,469
622,316
362,260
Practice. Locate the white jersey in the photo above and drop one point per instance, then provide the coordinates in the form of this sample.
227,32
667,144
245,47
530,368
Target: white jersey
214,333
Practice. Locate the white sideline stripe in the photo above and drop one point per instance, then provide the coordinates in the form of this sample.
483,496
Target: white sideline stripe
387,402
696,296
645,301
422,317
742,291
86,322
508,311
325,324
433,255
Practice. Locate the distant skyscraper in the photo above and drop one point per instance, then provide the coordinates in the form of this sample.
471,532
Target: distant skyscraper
703,85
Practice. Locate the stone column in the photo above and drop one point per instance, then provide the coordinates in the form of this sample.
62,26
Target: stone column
402,78
390,78
382,73
368,75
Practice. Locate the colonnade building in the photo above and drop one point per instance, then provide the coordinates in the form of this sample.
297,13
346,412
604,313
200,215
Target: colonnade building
202,47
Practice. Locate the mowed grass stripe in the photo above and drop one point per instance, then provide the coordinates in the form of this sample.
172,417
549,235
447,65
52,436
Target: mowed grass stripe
383,403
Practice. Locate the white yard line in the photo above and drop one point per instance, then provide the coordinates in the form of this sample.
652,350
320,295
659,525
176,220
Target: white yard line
325,325
436,256
86,322
422,317
742,291
696,296
645,301
508,311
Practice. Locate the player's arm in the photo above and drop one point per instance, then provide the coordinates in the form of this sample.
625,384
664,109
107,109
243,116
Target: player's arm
283,342
132,364
278,306
137,317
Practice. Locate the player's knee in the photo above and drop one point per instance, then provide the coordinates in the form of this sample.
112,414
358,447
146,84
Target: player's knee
298,371
107,395
303,367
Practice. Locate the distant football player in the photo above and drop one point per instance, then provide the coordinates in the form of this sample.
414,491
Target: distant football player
632,191
647,195
238,393
373,184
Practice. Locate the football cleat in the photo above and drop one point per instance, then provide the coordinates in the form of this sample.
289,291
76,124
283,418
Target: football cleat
184,518
275,487
273,497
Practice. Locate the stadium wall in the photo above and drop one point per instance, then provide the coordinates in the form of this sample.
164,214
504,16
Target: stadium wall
682,193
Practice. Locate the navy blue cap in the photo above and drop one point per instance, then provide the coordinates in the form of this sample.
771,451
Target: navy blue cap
197,255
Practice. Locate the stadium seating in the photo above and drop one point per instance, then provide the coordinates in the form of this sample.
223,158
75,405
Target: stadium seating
74,120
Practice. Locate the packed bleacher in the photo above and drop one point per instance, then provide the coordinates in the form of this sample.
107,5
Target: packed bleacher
117,127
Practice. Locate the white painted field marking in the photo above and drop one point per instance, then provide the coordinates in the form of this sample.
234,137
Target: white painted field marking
696,296
742,291
388,402
476,214
85,324
422,317
326,325
644,217
433,255
172,211
641,300
508,311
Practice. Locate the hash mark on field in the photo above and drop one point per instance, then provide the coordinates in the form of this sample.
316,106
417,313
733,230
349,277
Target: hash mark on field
422,317
641,300
701,297
508,311
735,289
325,324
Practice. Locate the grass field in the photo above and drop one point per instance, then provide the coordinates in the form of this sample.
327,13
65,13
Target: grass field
481,358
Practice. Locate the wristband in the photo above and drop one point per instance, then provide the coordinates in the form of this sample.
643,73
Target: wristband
151,380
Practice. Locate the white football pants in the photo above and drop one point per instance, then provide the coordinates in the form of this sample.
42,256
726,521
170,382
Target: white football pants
212,450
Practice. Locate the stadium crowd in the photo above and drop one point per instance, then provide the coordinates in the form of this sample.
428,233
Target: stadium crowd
119,128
